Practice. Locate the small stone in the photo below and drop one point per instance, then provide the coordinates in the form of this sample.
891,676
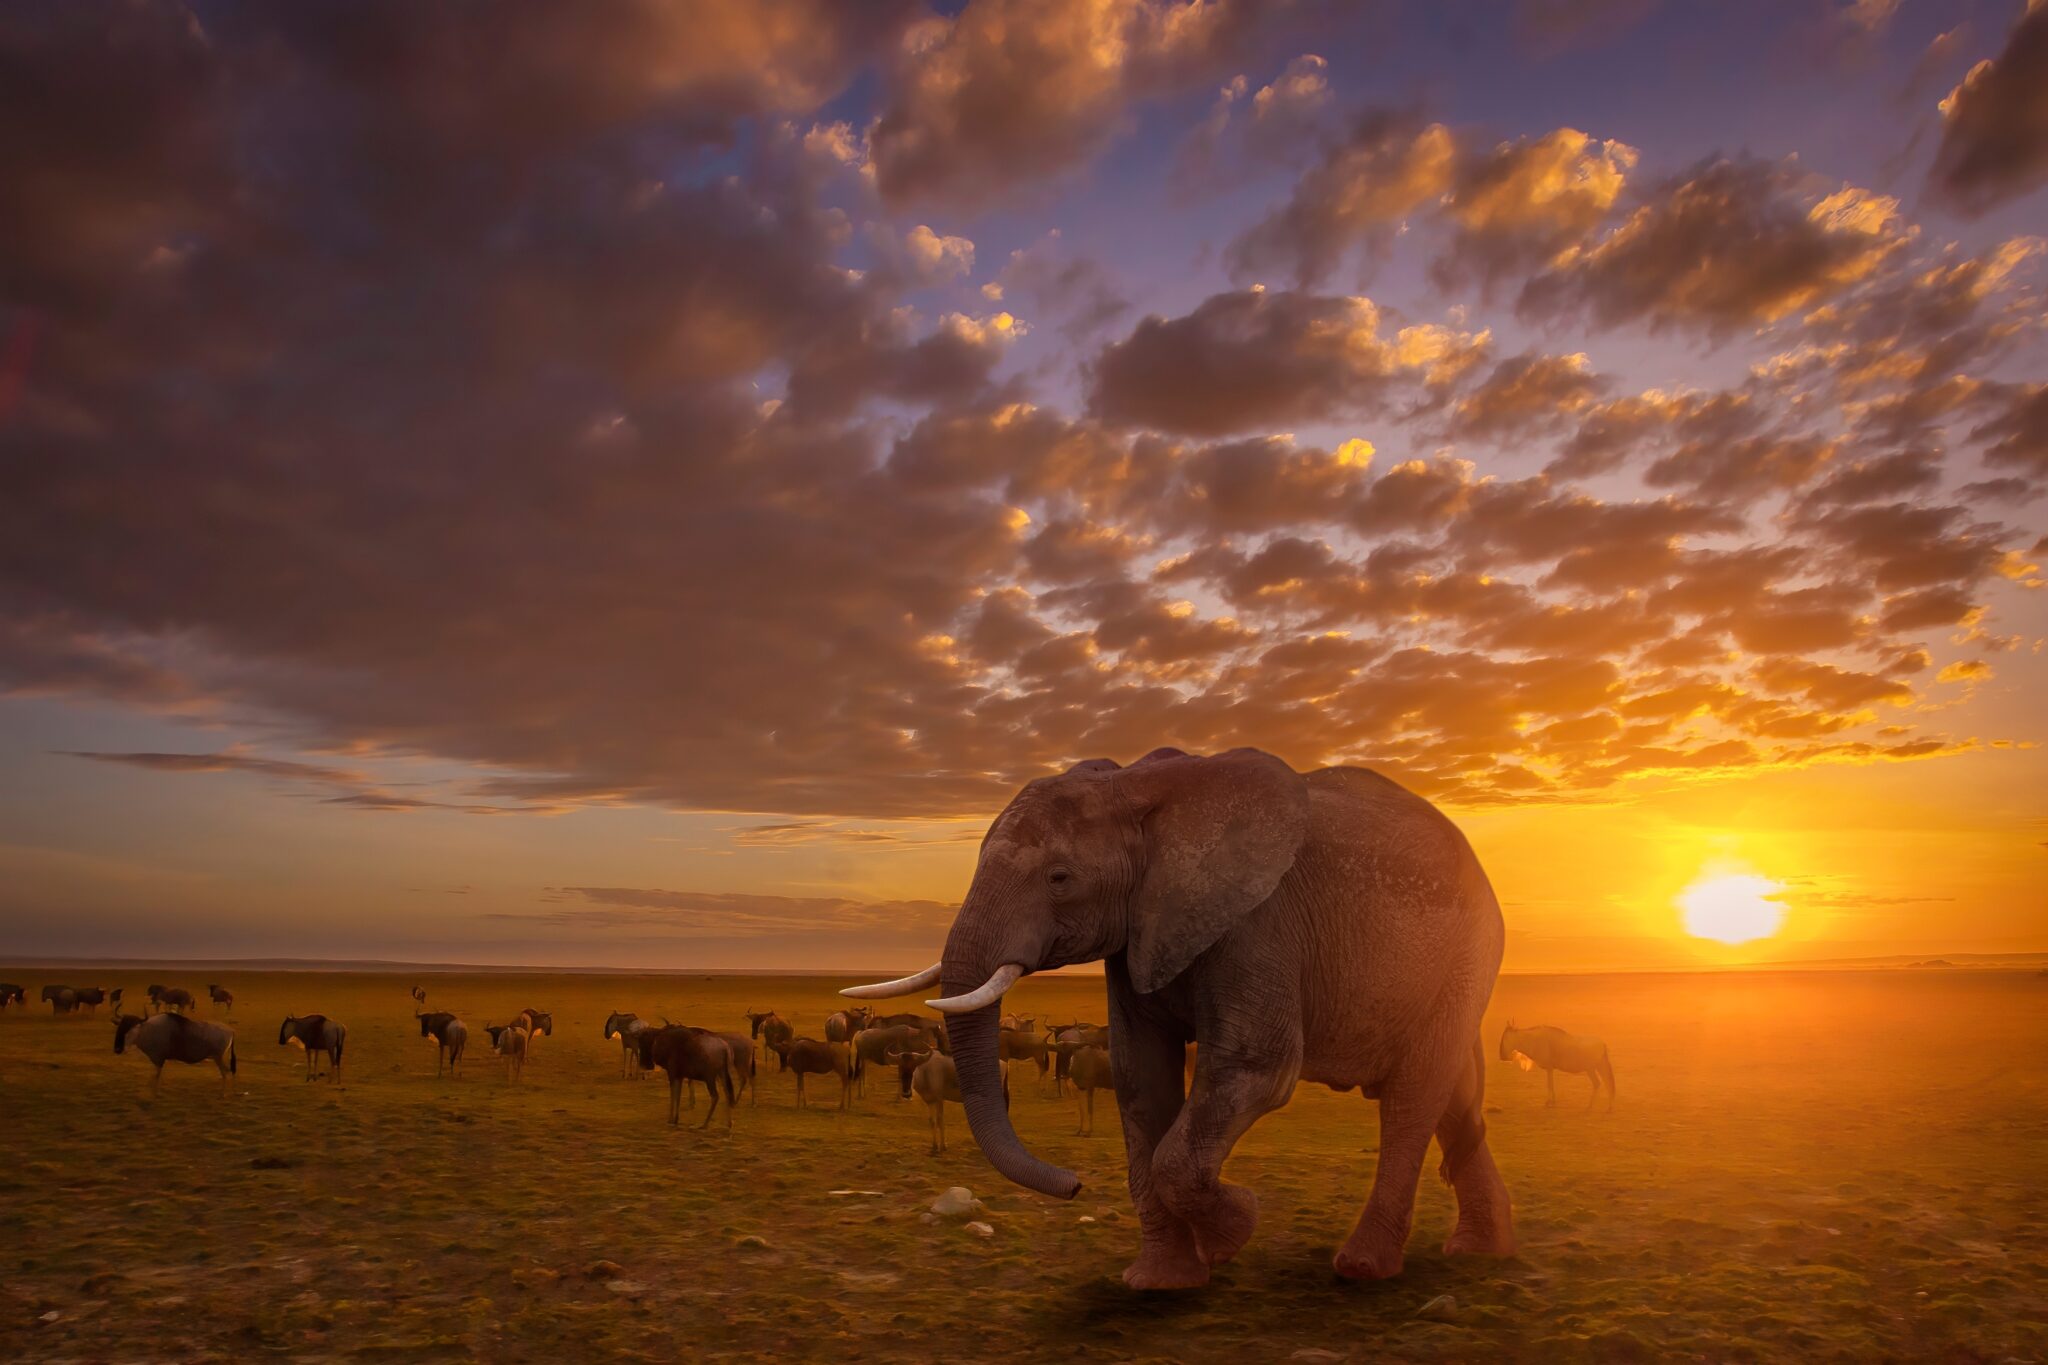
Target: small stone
633,1287
50,1316
981,1229
1086,1219
604,1270
927,1218
957,1202
1442,1308
752,1242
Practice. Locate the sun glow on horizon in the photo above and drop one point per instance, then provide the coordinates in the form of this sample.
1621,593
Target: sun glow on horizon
1732,907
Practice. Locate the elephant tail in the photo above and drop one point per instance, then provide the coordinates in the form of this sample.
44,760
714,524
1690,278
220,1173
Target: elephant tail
1464,1124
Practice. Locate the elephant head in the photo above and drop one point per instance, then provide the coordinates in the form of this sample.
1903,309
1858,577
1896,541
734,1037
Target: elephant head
1156,862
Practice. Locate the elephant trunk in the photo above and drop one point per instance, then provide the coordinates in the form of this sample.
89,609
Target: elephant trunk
975,1057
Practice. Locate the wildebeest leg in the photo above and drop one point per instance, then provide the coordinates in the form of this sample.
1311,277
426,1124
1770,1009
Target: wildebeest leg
227,1082
1594,1077
711,1089
800,1090
156,1080
1410,1108
1550,1078
675,1101
846,1092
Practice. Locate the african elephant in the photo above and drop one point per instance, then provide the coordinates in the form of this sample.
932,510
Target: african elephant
1328,926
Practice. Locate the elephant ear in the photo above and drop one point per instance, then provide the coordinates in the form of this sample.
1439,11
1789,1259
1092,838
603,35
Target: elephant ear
1220,832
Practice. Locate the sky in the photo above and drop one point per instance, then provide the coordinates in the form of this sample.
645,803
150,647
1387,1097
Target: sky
641,483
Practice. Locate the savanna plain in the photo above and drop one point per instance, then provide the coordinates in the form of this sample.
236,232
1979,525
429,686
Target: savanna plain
1825,1165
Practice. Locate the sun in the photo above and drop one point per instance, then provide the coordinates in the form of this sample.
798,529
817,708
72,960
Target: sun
1734,908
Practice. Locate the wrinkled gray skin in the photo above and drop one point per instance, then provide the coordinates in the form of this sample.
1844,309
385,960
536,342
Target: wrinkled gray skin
1328,927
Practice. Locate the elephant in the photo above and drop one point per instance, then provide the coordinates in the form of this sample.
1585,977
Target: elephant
1328,926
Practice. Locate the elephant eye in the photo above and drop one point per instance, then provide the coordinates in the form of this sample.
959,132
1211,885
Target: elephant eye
1059,876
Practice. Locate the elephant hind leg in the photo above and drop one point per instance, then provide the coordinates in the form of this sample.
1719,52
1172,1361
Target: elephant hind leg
1486,1220
1410,1109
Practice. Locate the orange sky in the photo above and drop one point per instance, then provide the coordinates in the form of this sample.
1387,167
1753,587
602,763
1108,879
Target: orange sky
531,486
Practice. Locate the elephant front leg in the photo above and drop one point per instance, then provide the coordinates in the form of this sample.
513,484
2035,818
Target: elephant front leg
1146,1065
1230,1095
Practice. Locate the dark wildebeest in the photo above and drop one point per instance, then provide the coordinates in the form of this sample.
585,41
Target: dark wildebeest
114,999
11,994
61,999
740,1050
449,1033
689,1054
90,998
509,1041
419,994
809,1057
1023,1023
533,1021
1065,1039
315,1033
175,1038
220,996
624,1028
1555,1050
874,1046
932,1076
1089,1070
173,998
156,997
841,1025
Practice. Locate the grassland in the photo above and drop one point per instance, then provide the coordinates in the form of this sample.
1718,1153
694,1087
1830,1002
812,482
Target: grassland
1814,1166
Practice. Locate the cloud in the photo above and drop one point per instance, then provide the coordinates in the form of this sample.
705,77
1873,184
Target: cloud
1008,92
1994,130
710,914
1730,245
1254,358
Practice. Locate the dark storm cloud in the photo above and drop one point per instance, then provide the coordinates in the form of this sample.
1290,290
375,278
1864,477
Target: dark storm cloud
1994,132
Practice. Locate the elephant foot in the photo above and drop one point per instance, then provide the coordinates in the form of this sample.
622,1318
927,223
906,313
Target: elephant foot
1480,1238
1368,1255
1226,1230
1157,1268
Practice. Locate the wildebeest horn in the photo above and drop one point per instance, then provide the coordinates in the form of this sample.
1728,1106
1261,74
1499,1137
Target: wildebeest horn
904,985
987,993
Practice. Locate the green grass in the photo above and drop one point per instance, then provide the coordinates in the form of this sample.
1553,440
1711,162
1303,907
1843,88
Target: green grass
1826,1166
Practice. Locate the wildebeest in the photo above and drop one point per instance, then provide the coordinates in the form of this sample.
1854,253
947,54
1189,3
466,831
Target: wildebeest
114,999
874,1046
449,1033
740,1051
931,1075
12,995
809,1057
1021,1045
1555,1050
60,999
90,998
509,1042
689,1054
771,1028
624,1028
315,1033
1066,1039
220,996
1023,1023
535,1022
175,1038
841,1025
1089,1070
419,994
171,997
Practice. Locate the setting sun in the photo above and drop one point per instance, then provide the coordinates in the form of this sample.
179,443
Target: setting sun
1732,909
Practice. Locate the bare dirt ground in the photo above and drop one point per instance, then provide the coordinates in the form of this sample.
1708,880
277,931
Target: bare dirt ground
1815,1166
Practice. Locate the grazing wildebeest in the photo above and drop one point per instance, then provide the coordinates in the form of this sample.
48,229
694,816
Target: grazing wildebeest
419,994
874,1046
689,1054
809,1057
61,999
1089,1070
625,1027
449,1033
13,995
90,998
932,1076
174,998
1020,1045
1555,1050
841,1025
175,1038
315,1033
220,996
509,1042
156,997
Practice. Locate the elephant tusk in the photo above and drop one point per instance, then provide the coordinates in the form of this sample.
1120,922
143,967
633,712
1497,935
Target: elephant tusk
988,993
906,985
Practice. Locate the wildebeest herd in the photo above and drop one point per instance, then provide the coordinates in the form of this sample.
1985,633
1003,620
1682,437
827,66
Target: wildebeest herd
913,1050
